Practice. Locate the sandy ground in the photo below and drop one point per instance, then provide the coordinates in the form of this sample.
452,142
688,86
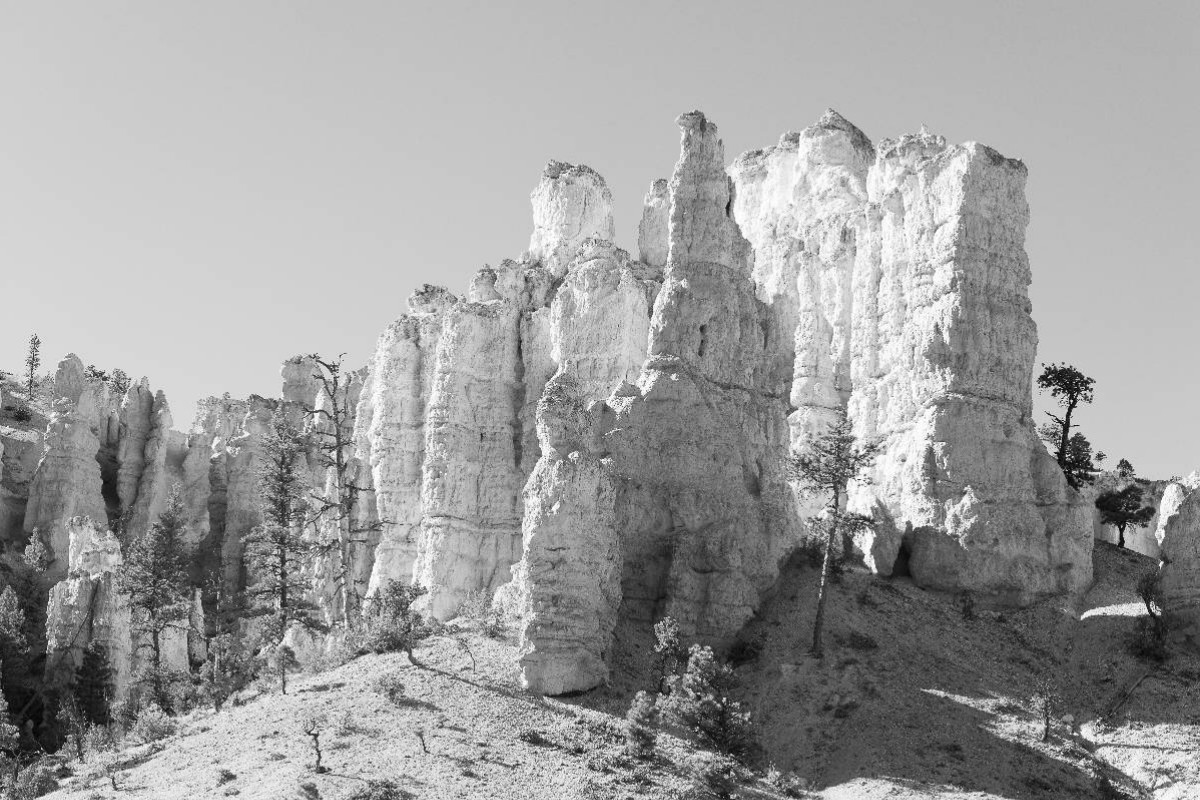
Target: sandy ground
912,700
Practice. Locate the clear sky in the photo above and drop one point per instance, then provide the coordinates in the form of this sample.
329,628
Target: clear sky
195,191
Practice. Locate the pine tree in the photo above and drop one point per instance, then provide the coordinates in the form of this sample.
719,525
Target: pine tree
155,577
826,467
276,552
33,360
1123,509
1070,388
94,684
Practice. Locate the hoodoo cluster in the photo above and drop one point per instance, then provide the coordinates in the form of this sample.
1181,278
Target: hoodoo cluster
598,439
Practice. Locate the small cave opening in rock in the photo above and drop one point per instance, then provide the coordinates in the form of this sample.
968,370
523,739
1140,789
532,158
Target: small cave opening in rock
106,457
703,341
900,569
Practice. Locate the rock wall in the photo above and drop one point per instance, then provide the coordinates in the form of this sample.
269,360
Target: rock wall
1178,535
604,438
903,274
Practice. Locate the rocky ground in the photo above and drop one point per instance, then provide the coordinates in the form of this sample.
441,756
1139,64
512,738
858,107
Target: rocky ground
914,698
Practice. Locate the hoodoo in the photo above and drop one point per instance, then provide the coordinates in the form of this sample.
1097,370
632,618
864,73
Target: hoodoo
602,439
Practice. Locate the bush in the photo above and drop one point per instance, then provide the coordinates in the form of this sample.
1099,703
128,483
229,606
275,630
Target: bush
390,686
382,790
1146,641
700,701
788,783
22,413
393,625
152,724
714,779
640,733
33,781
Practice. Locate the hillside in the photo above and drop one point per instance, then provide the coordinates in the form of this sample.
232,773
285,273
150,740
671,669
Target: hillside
912,700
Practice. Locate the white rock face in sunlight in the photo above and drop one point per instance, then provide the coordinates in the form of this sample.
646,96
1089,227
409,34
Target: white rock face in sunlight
601,439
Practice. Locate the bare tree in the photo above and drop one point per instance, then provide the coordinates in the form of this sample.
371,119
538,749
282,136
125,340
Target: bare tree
826,467
332,421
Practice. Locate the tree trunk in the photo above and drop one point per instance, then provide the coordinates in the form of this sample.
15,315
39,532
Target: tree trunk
1120,536
1066,433
823,589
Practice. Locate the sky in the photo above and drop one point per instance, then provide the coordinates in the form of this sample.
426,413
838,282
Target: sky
196,191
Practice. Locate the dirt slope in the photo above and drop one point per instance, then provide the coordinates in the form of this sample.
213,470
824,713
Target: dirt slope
912,700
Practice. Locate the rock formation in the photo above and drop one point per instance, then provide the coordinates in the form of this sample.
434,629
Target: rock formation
603,439
1178,534
905,274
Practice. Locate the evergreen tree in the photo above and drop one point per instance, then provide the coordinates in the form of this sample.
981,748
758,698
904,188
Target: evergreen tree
276,552
1123,509
10,740
155,577
94,684
1070,388
826,467
120,382
1125,470
33,360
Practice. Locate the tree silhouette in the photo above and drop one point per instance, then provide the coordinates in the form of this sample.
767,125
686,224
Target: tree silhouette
1070,388
1124,509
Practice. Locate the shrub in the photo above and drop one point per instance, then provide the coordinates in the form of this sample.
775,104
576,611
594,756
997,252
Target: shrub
381,790
152,724
700,701
33,781
390,686
22,413
1146,641
714,779
393,625
640,732
312,725
966,605
788,783
535,737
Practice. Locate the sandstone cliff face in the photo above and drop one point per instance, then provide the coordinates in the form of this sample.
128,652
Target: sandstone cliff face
1178,534
67,482
86,607
605,438
678,505
904,275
